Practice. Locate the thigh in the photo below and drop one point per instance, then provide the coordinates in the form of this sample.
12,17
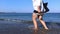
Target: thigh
34,16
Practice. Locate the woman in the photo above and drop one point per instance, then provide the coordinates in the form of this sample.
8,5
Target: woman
37,13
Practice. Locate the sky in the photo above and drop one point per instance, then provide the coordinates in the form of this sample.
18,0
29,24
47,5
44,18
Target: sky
26,6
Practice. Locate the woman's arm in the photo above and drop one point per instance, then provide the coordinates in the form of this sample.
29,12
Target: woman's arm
39,9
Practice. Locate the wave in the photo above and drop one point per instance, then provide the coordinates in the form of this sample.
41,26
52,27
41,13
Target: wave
20,21
29,23
15,20
24,21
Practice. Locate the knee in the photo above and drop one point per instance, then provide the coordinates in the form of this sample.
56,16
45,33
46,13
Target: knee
41,19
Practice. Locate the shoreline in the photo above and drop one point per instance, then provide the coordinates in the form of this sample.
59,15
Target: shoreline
9,27
21,23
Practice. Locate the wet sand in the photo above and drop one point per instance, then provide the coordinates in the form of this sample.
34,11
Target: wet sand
9,27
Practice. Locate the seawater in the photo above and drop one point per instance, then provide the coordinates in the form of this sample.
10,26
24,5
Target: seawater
49,17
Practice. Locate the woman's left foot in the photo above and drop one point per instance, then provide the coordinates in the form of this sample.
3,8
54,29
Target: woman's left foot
46,28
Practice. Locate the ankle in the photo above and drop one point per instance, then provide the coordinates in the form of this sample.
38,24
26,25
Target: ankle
46,28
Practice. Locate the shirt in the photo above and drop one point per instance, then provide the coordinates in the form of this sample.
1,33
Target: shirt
37,3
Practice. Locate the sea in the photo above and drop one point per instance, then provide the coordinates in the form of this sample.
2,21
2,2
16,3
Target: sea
48,17
21,23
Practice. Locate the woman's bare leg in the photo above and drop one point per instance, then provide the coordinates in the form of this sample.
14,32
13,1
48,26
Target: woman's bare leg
42,22
34,16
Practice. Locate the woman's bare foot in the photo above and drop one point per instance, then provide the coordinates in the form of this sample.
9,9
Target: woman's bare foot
35,28
46,29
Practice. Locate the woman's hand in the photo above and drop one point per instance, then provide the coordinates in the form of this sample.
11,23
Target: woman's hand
41,14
